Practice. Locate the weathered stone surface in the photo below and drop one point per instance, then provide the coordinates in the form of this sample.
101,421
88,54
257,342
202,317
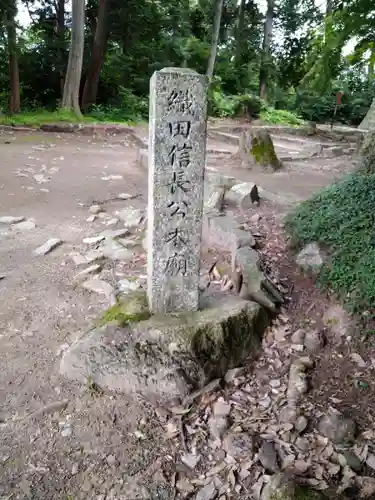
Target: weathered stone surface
216,200
256,146
114,233
222,231
164,354
10,219
48,246
115,251
101,287
177,148
256,286
131,216
310,258
368,122
239,194
26,225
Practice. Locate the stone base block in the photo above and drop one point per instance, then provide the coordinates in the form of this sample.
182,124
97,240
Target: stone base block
166,356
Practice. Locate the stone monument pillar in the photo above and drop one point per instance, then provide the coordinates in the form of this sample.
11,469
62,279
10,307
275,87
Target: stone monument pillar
177,149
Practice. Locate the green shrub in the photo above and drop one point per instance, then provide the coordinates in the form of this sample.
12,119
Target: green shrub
280,117
341,219
247,105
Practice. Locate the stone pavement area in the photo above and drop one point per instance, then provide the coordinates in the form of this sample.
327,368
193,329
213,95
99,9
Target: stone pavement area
61,440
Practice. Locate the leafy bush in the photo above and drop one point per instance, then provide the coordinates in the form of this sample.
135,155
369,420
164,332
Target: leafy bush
341,219
280,117
247,105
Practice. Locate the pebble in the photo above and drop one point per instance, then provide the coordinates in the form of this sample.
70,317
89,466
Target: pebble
95,209
92,240
9,219
50,245
91,218
190,460
125,196
358,359
40,179
67,430
95,268
101,287
221,409
130,216
126,286
114,233
111,460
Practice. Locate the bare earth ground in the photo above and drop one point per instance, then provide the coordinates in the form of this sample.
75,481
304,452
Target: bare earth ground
104,445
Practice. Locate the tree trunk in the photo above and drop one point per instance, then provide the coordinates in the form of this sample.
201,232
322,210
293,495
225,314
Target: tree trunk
371,63
366,163
14,104
239,33
368,122
70,98
90,89
268,27
61,36
215,38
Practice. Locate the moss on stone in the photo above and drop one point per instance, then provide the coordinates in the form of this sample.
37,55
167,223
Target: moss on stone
263,151
129,309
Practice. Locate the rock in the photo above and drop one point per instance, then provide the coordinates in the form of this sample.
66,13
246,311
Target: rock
40,179
95,268
114,233
125,196
239,195
185,486
50,245
115,251
268,457
208,492
91,218
301,423
297,384
222,231
254,281
101,287
131,217
93,240
313,341
310,258
216,200
26,225
337,428
238,445
95,209
190,460
126,286
255,218
67,430
111,460
159,355
9,220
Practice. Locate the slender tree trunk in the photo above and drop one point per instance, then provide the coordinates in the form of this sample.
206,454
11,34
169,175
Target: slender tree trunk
239,32
90,89
61,36
371,64
70,98
215,38
268,28
14,104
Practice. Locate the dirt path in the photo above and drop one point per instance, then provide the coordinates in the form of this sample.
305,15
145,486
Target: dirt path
88,444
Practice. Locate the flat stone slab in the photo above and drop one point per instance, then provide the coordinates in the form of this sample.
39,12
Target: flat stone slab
167,355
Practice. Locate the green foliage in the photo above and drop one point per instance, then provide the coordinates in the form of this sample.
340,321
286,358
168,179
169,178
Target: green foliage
341,219
280,117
